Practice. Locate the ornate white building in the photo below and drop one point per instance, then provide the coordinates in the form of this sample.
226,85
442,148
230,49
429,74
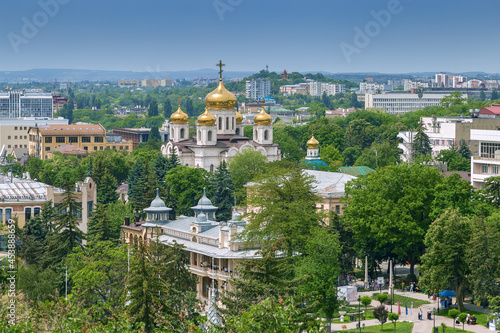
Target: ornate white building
219,133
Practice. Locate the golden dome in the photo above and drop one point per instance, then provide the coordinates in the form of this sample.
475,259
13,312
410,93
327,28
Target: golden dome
262,118
239,118
220,98
312,143
179,117
206,119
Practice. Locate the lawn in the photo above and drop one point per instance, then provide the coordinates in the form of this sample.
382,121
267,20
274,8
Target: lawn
450,329
481,318
368,315
402,299
401,327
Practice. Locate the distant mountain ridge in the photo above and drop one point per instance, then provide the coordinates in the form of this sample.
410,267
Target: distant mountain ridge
78,75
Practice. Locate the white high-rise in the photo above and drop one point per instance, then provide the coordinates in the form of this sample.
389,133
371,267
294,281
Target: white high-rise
259,88
25,103
318,88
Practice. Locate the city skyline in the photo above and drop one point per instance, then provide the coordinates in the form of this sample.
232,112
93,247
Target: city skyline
387,36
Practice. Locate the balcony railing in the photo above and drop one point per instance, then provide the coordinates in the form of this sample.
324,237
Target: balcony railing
209,271
487,156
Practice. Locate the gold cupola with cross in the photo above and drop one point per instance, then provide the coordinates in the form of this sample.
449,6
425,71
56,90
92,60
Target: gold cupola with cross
220,98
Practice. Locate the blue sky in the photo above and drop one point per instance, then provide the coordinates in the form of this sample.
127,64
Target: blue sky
313,35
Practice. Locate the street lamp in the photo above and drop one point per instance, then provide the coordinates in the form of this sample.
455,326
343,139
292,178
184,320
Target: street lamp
434,325
359,313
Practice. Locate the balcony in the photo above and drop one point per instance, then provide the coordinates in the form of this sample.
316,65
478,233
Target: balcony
209,272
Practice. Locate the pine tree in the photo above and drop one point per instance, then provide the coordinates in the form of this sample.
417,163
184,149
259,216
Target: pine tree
153,108
167,108
221,191
67,234
494,95
464,150
160,165
33,239
106,190
146,289
421,142
173,161
100,228
134,178
154,134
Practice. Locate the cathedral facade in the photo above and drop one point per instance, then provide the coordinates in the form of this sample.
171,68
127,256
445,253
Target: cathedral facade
219,133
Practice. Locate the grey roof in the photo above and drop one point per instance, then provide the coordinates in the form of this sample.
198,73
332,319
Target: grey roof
209,250
204,204
157,205
184,224
22,189
330,183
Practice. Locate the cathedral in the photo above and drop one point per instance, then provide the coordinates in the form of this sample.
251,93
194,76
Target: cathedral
219,133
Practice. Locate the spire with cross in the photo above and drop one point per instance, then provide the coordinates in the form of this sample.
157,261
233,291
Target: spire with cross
220,65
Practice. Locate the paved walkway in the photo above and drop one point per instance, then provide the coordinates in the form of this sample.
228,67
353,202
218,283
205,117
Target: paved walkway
420,326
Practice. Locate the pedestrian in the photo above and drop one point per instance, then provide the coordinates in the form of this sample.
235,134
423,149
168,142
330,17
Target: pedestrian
428,293
402,286
411,287
420,314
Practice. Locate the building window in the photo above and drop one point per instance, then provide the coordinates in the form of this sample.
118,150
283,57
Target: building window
95,147
25,137
182,133
8,214
27,214
495,169
73,139
227,123
266,135
15,128
209,135
98,139
36,211
100,148
86,148
1,215
126,147
48,139
9,137
60,139
85,138
220,123
121,147
337,209
485,168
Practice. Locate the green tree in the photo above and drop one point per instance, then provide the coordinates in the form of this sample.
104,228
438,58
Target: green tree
380,313
320,267
482,95
331,156
350,155
483,256
494,94
100,228
39,285
189,107
464,150
154,134
286,210
421,145
167,108
491,190
455,98
394,317
382,298
444,265
106,190
379,155
153,108
221,190
455,161
98,272
186,186
67,234
243,167
33,239
160,165
389,211
359,133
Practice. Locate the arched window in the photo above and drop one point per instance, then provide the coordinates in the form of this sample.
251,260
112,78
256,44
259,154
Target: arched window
237,131
227,123
232,123
182,133
199,135
266,134
220,123
194,239
255,134
209,136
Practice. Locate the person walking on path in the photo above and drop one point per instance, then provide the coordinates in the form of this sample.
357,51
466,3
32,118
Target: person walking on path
411,287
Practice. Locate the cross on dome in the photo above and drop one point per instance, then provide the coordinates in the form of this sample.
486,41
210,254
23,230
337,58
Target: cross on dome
220,65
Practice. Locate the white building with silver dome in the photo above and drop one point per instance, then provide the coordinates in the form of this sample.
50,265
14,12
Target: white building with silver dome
219,133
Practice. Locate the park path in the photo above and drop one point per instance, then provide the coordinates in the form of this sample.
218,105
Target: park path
420,326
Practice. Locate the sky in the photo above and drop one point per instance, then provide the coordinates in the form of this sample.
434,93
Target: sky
388,36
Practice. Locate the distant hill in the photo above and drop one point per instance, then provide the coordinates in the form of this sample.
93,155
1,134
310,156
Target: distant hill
77,75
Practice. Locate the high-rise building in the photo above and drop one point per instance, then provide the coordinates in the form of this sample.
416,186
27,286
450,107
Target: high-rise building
442,80
259,88
25,103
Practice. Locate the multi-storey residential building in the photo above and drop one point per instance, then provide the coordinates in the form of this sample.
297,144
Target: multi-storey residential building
14,131
442,80
290,89
128,83
139,135
402,102
90,137
457,81
257,89
411,85
25,103
485,162
373,87
339,112
318,88
445,132
58,102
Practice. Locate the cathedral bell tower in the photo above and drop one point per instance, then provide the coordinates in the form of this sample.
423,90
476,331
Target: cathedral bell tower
179,127
206,131
263,128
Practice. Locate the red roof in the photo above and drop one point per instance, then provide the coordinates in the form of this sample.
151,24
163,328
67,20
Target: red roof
490,110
